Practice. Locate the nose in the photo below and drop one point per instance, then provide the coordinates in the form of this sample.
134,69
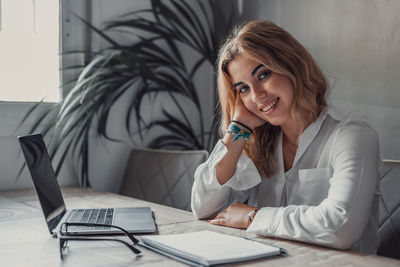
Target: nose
258,94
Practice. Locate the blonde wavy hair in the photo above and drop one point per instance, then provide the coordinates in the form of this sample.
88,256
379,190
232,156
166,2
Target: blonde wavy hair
272,46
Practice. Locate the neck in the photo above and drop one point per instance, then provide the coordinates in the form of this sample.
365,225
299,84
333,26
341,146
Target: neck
287,141
292,131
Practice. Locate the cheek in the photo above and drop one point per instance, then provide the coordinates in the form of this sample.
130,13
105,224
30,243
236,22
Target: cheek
288,90
290,97
249,104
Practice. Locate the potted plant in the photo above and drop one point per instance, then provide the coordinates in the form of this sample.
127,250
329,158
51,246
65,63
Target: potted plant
152,66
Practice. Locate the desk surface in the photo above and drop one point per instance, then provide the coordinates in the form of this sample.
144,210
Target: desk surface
25,240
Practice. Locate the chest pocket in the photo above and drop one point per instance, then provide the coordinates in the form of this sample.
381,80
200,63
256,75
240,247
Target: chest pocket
311,188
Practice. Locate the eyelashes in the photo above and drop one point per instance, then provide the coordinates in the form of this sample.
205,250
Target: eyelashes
264,74
243,89
261,76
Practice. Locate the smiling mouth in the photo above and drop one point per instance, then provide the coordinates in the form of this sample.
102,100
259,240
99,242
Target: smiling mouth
270,106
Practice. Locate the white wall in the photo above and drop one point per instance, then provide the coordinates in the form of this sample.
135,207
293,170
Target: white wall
11,113
357,44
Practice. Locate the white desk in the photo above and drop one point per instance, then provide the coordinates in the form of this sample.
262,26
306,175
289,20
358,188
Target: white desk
25,239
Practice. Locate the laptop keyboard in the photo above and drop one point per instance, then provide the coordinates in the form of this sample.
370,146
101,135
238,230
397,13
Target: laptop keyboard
102,216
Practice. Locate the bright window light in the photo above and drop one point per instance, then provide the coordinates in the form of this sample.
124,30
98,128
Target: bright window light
29,47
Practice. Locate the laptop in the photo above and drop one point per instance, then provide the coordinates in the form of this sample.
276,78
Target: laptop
132,219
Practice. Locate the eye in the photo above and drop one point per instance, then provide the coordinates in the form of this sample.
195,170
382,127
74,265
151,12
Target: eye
264,74
243,89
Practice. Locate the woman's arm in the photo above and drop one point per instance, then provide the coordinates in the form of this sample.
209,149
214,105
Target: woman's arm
227,166
210,197
228,174
340,219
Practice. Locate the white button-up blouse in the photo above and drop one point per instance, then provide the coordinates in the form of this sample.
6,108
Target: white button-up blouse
329,196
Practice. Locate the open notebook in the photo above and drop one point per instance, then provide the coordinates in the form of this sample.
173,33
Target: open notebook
206,248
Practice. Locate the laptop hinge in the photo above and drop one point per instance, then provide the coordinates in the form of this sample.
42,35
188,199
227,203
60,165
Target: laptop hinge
55,221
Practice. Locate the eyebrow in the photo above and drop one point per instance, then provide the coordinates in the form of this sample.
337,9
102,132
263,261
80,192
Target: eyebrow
252,74
256,69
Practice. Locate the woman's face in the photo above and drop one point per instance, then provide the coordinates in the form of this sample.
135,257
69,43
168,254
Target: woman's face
267,95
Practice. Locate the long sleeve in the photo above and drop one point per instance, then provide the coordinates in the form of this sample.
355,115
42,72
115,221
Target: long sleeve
338,220
208,196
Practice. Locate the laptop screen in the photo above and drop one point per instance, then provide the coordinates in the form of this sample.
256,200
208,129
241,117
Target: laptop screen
44,178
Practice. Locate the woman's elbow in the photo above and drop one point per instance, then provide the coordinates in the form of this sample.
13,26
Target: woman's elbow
207,206
198,208
342,238
195,210
199,214
338,231
342,243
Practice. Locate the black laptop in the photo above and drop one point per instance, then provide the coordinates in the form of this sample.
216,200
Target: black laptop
132,219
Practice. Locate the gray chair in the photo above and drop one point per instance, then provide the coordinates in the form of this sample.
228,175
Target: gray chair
162,176
389,217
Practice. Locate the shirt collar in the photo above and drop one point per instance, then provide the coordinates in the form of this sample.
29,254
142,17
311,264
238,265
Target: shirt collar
312,130
335,113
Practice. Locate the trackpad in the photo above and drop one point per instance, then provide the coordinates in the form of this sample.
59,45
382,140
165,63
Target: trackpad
137,219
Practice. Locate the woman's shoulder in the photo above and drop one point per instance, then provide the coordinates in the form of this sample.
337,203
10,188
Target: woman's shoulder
351,125
348,120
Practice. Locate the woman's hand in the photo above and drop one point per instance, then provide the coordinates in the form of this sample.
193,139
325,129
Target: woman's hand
245,116
236,215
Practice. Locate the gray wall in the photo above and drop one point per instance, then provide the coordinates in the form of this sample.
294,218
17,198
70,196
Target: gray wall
11,158
108,159
357,44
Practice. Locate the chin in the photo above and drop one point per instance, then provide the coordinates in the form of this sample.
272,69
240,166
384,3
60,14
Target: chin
267,120
274,122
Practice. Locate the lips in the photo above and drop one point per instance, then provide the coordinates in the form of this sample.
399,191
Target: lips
270,106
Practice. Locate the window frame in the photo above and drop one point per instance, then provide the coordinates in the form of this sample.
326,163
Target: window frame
73,36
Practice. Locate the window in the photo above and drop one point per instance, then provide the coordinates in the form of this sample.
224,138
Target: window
29,48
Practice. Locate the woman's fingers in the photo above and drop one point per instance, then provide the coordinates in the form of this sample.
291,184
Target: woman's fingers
245,116
236,215
217,221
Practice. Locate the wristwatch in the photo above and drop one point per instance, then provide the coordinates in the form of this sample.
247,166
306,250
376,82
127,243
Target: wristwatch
252,214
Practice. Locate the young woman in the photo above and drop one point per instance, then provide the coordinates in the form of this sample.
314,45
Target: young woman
287,165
